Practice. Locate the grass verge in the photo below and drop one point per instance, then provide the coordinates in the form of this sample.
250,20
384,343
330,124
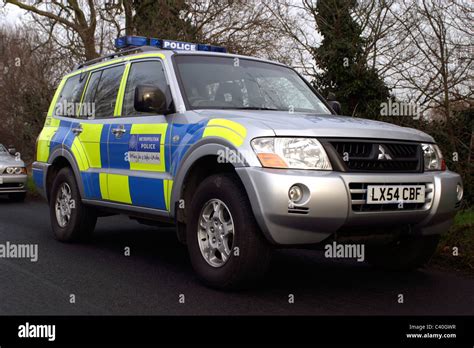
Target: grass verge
31,188
461,238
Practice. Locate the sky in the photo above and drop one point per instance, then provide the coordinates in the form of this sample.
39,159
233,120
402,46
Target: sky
11,15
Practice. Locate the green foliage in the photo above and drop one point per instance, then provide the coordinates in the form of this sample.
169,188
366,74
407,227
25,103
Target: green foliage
343,62
454,140
457,152
461,237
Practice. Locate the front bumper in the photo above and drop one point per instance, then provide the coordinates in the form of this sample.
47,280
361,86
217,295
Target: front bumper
13,183
329,209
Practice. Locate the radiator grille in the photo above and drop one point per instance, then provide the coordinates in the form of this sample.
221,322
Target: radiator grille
375,156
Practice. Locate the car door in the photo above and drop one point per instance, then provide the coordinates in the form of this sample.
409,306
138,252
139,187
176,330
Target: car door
138,164
71,135
58,128
91,129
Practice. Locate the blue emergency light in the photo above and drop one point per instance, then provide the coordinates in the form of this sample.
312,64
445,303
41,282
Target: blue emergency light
137,41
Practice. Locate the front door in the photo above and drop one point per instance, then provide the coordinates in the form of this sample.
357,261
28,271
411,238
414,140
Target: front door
138,166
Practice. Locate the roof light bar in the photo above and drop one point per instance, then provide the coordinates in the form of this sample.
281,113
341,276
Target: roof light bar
137,41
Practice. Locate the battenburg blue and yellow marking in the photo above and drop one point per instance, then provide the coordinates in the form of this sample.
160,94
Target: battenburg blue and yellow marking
121,169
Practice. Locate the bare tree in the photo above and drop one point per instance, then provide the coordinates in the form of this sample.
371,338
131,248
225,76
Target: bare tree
28,76
72,16
435,59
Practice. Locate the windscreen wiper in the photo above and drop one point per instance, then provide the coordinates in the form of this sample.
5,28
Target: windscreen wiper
255,108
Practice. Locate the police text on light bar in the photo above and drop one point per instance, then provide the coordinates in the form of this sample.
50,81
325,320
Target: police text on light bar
137,41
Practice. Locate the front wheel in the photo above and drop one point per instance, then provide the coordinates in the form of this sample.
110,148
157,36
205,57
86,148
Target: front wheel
405,254
70,219
226,247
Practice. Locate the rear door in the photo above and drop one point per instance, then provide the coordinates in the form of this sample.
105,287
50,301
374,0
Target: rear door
138,143
69,134
92,129
57,132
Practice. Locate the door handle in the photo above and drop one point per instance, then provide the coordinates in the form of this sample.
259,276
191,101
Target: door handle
118,132
77,130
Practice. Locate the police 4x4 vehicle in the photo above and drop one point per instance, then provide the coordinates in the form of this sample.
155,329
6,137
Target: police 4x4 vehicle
242,155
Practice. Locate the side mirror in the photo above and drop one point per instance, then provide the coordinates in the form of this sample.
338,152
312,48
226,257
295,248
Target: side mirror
333,103
336,106
152,99
12,150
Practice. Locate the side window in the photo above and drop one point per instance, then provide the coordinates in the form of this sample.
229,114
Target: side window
102,90
88,105
107,90
70,97
142,73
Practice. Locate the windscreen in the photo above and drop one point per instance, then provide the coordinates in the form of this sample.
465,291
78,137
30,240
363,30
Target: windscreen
211,82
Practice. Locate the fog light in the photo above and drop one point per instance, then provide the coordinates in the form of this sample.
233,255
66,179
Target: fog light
295,193
459,192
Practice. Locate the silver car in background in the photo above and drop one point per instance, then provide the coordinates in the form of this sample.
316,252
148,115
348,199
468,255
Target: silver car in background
13,175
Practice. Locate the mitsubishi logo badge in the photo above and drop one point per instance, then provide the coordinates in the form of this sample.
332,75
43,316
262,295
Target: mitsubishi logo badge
383,154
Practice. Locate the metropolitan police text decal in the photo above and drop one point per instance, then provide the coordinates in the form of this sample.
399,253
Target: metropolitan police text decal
144,148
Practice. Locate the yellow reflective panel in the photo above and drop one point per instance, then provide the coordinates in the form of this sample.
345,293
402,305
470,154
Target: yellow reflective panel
121,92
79,155
91,132
50,121
92,151
118,188
236,127
104,189
150,129
232,131
44,139
167,189
226,133
90,139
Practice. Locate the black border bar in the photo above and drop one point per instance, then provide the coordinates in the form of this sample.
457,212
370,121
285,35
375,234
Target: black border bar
260,330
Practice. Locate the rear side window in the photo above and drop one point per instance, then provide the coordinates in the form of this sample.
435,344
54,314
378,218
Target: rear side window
102,90
88,105
142,73
69,100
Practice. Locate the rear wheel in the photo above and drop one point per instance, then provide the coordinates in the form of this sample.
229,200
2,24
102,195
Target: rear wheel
405,254
226,247
17,197
70,219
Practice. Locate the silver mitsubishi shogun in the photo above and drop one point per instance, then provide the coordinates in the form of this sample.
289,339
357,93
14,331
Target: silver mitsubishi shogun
241,155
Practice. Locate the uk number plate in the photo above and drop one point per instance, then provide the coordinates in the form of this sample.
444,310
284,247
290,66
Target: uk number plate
387,194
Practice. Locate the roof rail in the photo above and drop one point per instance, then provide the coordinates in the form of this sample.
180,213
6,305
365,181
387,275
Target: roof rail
115,55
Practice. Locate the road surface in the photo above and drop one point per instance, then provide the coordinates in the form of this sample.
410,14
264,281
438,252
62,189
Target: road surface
152,280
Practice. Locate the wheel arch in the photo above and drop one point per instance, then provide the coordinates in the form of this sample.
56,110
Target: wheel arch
200,162
59,159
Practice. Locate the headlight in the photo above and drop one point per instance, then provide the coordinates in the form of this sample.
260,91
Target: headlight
296,153
432,157
16,170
